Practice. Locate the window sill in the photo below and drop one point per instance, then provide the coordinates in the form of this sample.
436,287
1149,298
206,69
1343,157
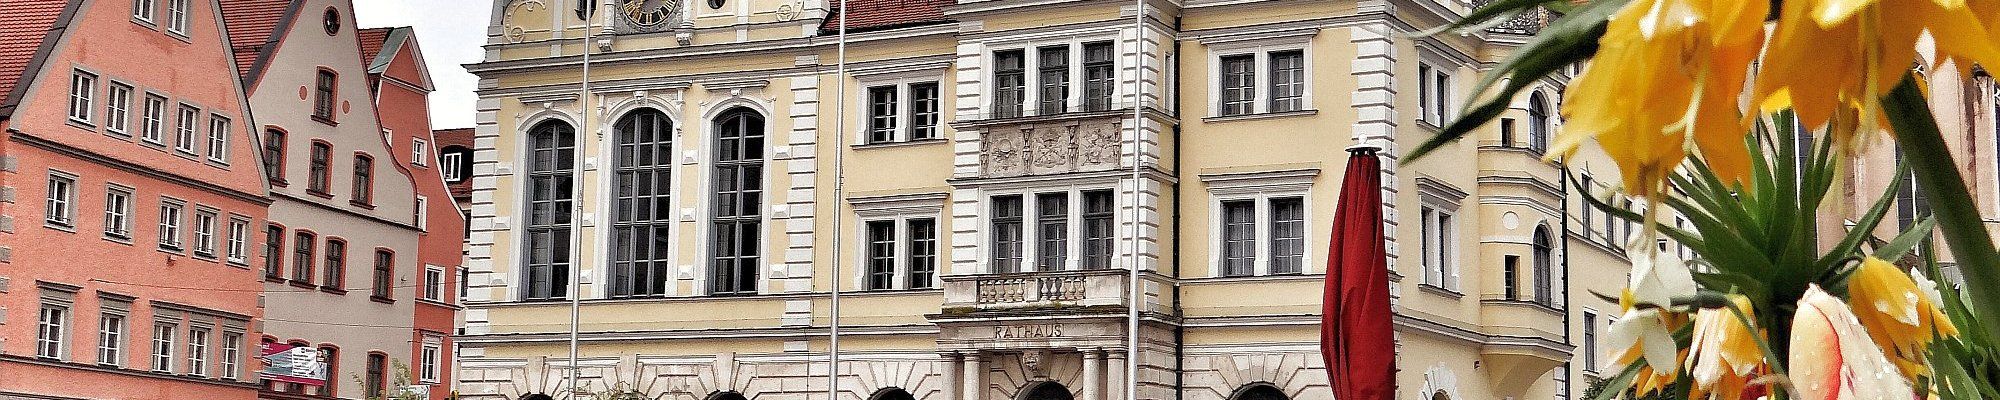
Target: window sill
1434,289
279,182
905,143
1257,278
273,279
182,36
205,256
333,290
1267,115
150,25
325,119
300,284
380,299
122,135
119,239
990,119
71,228
81,124
362,204
320,193
174,250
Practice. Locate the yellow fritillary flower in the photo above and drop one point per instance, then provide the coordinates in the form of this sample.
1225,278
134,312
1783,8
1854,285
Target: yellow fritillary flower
1830,60
1724,355
1666,79
1900,316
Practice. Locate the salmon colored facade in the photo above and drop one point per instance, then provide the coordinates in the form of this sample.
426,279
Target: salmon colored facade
126,251
401,85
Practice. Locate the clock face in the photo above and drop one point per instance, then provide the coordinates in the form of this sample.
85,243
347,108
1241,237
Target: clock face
649,14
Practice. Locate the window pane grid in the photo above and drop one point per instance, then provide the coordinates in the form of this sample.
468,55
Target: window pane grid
645,208
204,233
335,275
1239,84
1009,83
1097,229
1288,80
1006,234
170,226
117,108
1052,78
185,129
82,94
1288,239
923,110
881,255
1052,231
736,234
61,200
110,339
218,138
118,213
153,119
1099,77
50,331
882,114
1239,238
552,153
923,253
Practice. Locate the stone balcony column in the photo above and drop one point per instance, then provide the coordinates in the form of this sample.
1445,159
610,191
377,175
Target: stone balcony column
1093,374
953,375
1115,374
975,372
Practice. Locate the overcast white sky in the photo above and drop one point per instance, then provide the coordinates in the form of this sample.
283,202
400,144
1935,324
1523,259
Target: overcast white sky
450,32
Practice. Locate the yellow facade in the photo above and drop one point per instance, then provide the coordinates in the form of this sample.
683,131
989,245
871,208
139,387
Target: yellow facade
1234,194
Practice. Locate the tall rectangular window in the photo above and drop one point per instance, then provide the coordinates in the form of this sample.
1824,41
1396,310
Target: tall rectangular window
198,352
1511,272
61,200
118,108
1288,80
1099,76
52,332
1438,254
170,224
428,363
274,251
323,90
163,347
82,96
153,120
1239,238
923,252
1097,219
1288,235
335,268
320,168
552,153
218,138
143,10
204,233
1051,231
738,203
434,283
882,114
118,212
111,339
1239,84
303,245
177,16
238,247
645,215
1010,82
232,353
881,255
450,163
1052,79
274,156
423,211
385,271
1007,234
923,110
186,124
420,152
1589,341
1433,94
364,179
373,382
1441,82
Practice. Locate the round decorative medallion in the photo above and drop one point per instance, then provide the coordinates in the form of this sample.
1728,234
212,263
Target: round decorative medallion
650,15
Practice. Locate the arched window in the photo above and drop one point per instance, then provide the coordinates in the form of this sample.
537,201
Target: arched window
739,189
1538,122
536,396
645,159
1045,390
726,395
331,356
552,152
1440,396
1258,391
1544,268
892,393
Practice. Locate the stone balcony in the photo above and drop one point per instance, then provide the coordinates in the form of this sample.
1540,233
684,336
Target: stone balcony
1068,292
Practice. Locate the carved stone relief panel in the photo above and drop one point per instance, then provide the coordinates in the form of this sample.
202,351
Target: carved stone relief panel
1055,147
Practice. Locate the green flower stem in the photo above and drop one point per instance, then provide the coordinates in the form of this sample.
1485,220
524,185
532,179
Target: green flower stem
1917,134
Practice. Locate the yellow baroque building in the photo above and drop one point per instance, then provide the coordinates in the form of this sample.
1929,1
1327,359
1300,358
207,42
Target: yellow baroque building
968,185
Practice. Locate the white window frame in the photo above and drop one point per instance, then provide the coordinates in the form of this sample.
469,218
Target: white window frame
145,11
433,283
449,162
153,119
187,127
163,346
420,152
1592,360
111,338
1031,60
232,354
1260,45
60,200
118,214
899,210
1030,234
218,139
901,79
82,97
197,351
430,359
52,322
1441,200
1259,187
177,16
205,222
422,214
1435,101
171,224
238,248
118,108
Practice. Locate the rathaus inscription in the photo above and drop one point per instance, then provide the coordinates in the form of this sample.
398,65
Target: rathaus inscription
1032,331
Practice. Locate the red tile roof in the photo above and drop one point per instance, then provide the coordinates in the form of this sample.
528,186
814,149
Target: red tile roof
461,137
371,43
253,29
885,14
23,26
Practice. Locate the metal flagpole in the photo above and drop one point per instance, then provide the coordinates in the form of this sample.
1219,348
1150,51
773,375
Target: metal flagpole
575,258
839,194
1135,300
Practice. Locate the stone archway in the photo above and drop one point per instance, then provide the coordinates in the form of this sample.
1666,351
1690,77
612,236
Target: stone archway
892,393
726,395
1045,390
1259,391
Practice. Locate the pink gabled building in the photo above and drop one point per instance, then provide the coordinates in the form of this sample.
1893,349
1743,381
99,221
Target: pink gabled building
401,85
128,240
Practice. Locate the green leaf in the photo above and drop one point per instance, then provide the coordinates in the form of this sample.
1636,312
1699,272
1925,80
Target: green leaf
1619,383
1909,239
1851,244
1569,40
1937,175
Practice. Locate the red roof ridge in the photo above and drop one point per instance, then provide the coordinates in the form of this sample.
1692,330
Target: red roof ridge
24,42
